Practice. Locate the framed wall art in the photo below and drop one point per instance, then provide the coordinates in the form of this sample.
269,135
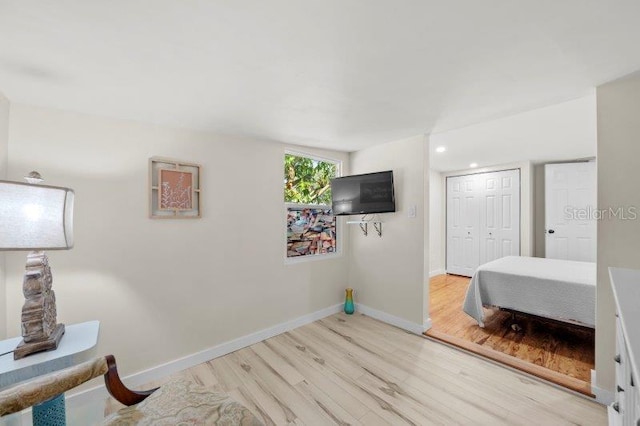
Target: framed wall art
174,191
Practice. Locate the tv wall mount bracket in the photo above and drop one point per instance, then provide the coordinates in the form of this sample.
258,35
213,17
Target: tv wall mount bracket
364,224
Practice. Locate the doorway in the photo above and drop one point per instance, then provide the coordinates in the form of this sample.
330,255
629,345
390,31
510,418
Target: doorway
558,352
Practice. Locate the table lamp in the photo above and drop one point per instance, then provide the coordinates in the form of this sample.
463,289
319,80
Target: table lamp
36,217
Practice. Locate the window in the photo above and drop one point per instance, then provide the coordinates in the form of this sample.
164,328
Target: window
311,225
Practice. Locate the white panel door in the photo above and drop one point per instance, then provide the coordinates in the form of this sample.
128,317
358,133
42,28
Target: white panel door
570,203
499,215
483,219
462,224
490,216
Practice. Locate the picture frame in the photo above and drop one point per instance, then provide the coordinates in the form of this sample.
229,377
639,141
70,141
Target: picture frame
174,189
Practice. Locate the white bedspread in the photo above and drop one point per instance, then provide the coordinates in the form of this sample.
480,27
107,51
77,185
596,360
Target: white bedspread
551,288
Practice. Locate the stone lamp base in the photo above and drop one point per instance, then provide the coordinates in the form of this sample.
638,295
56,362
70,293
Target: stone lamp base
39,327
23,349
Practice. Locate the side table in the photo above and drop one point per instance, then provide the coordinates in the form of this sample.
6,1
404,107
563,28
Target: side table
77,345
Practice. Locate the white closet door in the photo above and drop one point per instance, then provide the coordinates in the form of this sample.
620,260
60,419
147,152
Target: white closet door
483,219
500,215
570,201
462,224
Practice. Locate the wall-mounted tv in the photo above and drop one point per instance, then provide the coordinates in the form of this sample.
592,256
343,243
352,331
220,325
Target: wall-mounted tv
363,194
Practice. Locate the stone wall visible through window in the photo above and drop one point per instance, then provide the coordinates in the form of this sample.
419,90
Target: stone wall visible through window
310,231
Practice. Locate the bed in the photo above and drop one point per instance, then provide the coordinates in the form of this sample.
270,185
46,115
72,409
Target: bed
562,290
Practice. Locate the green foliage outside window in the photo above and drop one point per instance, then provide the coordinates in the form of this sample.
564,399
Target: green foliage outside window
307,181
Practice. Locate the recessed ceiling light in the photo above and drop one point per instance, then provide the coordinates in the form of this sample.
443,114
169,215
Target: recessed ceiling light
441,149
473,165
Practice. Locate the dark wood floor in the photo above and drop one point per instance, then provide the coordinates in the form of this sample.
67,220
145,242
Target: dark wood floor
561,353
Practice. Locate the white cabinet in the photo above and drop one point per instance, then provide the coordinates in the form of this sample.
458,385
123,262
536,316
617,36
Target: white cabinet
626,393
483,219
625,410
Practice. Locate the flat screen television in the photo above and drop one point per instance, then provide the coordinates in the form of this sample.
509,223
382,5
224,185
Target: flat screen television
363,194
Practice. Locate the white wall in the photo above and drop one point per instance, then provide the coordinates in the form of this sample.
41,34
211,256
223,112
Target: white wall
618,240
164,289
390,274
539,236
436,223
4,144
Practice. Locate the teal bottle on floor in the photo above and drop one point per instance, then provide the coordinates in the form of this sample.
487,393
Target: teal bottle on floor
348,302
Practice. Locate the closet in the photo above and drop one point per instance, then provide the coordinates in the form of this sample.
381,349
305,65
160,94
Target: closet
483,219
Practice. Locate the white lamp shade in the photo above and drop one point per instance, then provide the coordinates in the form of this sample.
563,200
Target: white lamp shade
35,217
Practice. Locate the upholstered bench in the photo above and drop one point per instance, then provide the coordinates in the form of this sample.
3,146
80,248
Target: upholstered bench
185,403
177,402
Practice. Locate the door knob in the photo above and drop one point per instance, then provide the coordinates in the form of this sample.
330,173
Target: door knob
551,231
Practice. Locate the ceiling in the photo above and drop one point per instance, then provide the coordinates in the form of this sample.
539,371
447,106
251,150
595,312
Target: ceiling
561,132
326,73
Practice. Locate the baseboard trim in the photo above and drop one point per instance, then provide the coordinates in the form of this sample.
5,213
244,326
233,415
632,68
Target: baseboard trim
426,325
393,320
436,272
172,367
603,396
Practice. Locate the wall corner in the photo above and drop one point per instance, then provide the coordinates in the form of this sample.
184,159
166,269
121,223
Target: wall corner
4,162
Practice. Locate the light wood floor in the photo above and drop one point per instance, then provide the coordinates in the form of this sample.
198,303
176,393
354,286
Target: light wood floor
562,353
356,370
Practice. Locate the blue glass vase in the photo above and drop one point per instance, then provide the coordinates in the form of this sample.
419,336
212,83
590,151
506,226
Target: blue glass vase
349,308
